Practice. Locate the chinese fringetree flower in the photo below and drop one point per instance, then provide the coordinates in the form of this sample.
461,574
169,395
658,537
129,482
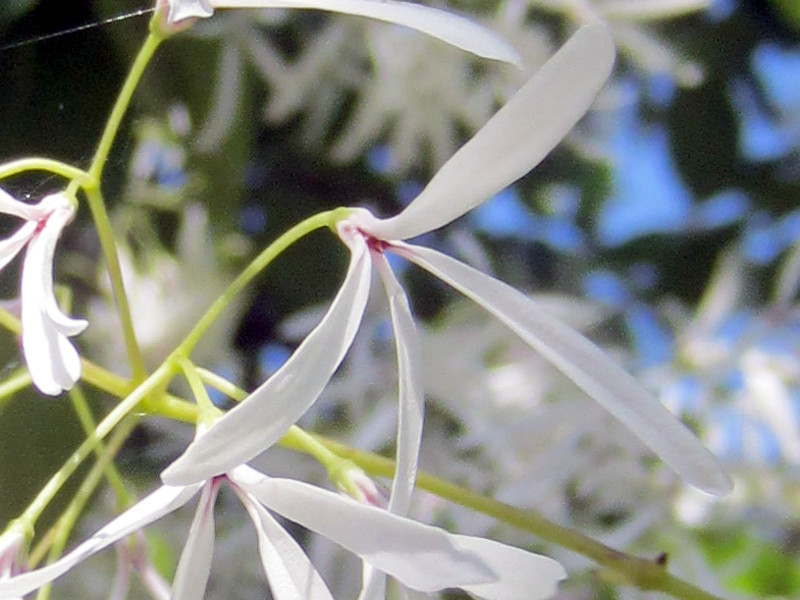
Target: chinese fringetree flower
53,362
446,26
423,558
508,146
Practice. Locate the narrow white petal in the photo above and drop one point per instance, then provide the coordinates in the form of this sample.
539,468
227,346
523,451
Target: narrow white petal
290,574
186,9
194,567
422,557
522,575
449,27
43,248
151,508
515,139
373,583
585,364
264,416
11,206
10,247
411,391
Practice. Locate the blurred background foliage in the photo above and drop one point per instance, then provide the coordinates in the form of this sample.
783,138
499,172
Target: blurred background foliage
637,210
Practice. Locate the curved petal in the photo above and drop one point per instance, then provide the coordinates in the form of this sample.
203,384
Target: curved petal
522,575
411,393
194,566
422,557
449,27
265,415
151,508
289,572
515,139
585,364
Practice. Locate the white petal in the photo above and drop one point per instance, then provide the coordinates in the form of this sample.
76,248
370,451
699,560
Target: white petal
264,416
11,206
422,557
194,567
515,139
10,247
151,508
290,574
373,586
185,9
522,575
449,27
585,364
411,392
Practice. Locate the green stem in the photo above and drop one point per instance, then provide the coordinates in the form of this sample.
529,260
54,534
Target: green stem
15,167
119,412
642,573
16,382
108,244
67,520
84,412
325,219
144,57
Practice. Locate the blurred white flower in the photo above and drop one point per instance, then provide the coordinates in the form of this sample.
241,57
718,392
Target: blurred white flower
13,544
402,548
52,360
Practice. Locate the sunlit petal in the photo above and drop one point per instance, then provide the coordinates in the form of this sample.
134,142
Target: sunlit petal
11,206
289,572
11,246
522,575
411,390
585,364
515,139
446,26
264,416
151,508
194,567
420,556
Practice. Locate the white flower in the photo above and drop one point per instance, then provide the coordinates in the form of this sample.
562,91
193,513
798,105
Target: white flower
424,558
12,548
52,359
448,27
508,146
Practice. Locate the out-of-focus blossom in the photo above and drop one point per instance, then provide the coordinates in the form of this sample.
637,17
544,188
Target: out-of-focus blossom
52,359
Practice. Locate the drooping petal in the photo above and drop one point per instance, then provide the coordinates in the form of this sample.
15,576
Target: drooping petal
522,575
420,556
585,364
194,567
264,416
411,390
51,358
515,139
449,27
151,508
186,9
11,246
289,572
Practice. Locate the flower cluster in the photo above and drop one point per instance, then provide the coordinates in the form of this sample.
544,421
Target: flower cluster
420,557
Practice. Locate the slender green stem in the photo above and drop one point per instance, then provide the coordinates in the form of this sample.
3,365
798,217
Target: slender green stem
84,412
119,412
642,573
144,57
325,219
15,167
67,520
109,246
19,380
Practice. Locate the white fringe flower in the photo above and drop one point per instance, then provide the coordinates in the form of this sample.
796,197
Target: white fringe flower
53,362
